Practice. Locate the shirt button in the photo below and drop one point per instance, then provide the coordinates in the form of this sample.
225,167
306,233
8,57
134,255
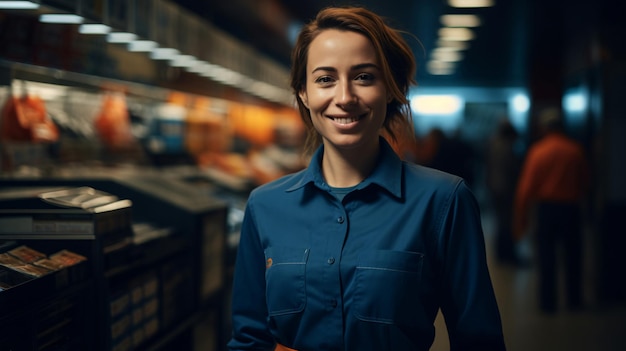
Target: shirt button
339,220
333,303
331,260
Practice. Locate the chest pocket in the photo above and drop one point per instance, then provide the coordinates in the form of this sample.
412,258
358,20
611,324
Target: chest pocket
285,287
388,286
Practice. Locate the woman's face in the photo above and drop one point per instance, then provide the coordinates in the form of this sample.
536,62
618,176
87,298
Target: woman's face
345,92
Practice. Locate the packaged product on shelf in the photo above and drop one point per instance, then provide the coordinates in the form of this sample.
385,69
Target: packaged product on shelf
27,254
24,118
49,264
15,264
10,260
113,121
31,270
67,258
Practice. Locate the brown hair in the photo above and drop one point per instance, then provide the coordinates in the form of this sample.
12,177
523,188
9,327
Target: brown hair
396,58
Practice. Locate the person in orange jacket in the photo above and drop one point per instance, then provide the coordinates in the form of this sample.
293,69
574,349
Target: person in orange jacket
554,183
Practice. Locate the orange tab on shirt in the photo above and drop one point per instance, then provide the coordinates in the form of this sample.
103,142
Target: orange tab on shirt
280,347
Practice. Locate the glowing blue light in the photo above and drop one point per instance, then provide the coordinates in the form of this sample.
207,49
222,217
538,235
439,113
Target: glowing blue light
520,103
575,102
18,5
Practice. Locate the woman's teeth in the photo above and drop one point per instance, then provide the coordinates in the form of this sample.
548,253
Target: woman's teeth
346,120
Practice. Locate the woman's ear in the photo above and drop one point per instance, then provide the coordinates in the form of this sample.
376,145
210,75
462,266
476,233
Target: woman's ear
304,98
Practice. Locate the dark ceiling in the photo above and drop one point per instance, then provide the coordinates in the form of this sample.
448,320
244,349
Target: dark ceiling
518,41
497,57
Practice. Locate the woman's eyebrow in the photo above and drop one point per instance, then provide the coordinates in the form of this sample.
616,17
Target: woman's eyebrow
355,67
324,68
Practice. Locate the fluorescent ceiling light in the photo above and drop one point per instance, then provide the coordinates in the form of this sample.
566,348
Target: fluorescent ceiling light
440,72
61,18
198,67
142,45
471,3
94,28
223,75
461,34
453,44
164,53
446,55
18,5
121,37
436,104
183,61
460,20
439,67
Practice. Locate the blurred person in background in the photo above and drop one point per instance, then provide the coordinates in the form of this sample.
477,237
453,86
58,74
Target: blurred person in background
503,163
360,250
553,186
450,154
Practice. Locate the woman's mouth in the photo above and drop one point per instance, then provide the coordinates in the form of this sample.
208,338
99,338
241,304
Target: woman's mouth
346,120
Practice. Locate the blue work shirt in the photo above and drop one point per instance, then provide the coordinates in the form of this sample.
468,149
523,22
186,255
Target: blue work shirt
367,273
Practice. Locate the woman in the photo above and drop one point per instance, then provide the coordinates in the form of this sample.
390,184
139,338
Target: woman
360,250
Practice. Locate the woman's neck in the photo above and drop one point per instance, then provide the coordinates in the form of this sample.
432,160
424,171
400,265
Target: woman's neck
344,168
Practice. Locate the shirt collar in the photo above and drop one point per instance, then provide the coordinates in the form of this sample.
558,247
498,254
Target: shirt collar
387,174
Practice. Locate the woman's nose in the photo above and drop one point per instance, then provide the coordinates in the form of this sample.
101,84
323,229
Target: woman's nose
345,95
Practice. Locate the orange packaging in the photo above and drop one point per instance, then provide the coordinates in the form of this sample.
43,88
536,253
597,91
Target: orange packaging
113,121
25,119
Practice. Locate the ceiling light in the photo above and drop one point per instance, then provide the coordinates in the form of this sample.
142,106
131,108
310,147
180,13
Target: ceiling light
164,53
198,68
446,55
471,3
142,46
520,103
94,28
453,44
436,104
18,5
448,48
183,61
439,65
460,20
121,37
461,34
61,18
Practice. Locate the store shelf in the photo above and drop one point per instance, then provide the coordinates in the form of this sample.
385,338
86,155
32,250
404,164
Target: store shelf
144,291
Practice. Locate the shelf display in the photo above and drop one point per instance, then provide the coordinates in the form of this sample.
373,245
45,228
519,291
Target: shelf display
148,280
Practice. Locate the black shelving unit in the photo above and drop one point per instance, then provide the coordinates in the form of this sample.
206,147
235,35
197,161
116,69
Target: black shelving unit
136,293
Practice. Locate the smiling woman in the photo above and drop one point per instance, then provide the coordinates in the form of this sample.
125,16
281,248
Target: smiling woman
345,95
360,250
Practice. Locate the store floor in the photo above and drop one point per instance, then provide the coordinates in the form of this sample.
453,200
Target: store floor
595,327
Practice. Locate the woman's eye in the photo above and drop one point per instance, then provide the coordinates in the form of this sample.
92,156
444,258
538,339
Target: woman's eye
365,77
323,79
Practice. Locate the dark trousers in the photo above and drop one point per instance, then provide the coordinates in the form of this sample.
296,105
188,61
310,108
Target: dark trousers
559,226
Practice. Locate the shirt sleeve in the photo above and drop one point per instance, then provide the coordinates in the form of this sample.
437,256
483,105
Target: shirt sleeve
249,309
468,301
